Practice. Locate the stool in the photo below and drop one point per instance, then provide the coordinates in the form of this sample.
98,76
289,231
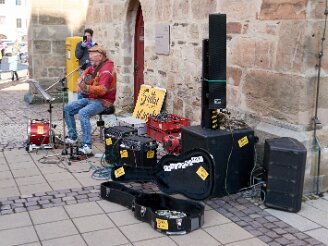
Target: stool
101,122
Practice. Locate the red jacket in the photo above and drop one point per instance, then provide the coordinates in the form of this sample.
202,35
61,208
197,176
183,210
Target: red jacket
102,86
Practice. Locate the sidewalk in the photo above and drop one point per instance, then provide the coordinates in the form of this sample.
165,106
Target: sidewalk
48,203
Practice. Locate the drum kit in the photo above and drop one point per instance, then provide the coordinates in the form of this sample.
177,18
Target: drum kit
40,133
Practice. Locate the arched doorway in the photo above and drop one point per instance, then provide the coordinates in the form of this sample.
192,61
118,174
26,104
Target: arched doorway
138,53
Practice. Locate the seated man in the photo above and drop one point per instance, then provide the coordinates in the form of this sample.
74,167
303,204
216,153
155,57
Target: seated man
97,84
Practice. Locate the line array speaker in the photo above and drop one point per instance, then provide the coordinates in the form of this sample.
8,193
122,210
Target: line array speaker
284,161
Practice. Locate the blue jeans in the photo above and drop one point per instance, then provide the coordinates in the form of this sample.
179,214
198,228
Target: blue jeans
86,108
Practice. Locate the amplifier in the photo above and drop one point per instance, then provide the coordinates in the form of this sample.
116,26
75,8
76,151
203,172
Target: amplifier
233,154
138,151
113,139
284,161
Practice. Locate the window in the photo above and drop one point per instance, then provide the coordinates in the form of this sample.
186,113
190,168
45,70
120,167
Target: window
18,2
19,23
2,1
2,20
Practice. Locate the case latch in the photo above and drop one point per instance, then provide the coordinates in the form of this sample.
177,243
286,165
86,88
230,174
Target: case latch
142,211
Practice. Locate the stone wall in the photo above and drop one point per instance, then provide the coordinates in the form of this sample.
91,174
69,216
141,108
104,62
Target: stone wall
272,52
51,23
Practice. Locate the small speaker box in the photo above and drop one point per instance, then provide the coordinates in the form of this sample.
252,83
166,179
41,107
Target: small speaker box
284,161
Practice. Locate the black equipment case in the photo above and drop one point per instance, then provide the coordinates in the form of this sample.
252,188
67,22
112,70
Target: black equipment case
138,151
164,213
190,174
113,139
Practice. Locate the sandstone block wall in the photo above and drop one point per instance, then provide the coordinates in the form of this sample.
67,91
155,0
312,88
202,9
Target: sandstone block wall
50,23
272,52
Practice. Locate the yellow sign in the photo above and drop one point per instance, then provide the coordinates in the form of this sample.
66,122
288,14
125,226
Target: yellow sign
150,101
124,153
162,224
109,141
150,154
119,172
243,141
202,173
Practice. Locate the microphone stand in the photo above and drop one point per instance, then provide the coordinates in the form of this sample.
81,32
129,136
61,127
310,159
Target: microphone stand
63,89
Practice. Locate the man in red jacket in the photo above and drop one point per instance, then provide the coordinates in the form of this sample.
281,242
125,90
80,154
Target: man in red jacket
96,82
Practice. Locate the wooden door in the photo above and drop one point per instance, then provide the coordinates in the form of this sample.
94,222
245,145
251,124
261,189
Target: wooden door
138,54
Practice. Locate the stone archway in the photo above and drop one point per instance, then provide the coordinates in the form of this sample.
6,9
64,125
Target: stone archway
127,71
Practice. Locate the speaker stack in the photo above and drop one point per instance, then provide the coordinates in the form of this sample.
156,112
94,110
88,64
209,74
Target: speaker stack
284,161
214,70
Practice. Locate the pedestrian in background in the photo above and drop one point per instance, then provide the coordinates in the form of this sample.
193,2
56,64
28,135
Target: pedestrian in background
82,52
2,53
13,64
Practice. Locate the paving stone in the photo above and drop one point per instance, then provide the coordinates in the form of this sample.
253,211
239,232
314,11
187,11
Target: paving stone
71,202
26,196
76,189
59,204
56,200
40,194
33,199
7,202
50,205
82,192
41,202
20,200
60,195
7,211
289,236
301,235
30,204
31,208
94,199
82,200
5,207
19,210
17,205
93,195
282,241
265,238
47,197
273,244
72,194
79,197
272,234
68,198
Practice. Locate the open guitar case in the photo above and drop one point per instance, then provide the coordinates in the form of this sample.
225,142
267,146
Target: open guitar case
190,174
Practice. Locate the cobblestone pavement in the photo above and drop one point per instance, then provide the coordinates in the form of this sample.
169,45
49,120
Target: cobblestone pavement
31,191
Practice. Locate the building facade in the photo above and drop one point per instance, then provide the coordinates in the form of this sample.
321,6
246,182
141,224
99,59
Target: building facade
272,56
14,19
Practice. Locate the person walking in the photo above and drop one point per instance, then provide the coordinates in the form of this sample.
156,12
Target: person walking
13,65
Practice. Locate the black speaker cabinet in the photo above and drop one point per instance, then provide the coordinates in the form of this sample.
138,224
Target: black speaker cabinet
217,55
284,161
233,155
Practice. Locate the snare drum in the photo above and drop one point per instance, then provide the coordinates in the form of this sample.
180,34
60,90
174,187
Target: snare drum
38,132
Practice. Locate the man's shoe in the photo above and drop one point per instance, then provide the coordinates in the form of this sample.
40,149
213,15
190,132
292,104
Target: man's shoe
86,150
70,141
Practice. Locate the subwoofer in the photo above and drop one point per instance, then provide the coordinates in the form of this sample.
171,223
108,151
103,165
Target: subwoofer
233,153
284,161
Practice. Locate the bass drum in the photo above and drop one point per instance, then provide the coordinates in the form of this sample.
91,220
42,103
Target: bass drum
38,132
